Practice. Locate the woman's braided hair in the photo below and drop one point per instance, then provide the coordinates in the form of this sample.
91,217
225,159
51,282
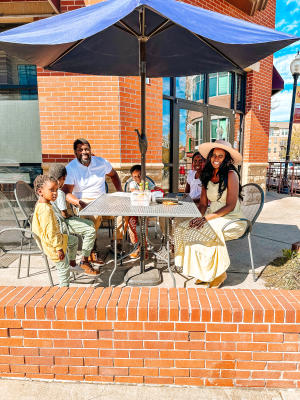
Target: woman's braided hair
40,181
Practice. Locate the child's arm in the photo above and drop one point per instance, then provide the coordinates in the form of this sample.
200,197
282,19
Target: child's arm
187,188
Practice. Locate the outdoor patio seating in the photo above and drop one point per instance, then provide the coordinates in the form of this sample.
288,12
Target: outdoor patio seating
18,241
252,204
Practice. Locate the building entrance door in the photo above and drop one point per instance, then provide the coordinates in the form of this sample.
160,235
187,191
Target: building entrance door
195,124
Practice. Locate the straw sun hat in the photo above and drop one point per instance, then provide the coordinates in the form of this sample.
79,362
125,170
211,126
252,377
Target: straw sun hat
205,148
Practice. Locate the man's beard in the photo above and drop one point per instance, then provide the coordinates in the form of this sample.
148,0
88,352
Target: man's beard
85,161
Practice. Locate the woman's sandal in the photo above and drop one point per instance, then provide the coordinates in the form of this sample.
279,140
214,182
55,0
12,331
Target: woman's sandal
201,284
216,283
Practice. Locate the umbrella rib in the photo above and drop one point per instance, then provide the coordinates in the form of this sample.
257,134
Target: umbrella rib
127,28
160,28
122,28
65,53
216,50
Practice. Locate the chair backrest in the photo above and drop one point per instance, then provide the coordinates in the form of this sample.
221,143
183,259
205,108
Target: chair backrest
126,186
26,198
8,219
8,216
253,201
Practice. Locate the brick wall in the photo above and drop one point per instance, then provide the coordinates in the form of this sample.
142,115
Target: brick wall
154,336
65,116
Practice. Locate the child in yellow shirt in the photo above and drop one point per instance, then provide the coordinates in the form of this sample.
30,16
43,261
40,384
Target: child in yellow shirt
45,226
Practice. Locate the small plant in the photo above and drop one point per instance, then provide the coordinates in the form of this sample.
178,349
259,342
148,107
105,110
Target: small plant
289,254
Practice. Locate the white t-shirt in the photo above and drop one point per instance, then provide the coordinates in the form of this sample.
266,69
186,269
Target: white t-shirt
195,185
89,182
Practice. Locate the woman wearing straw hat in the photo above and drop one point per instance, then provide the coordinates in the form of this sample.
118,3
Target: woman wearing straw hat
200,243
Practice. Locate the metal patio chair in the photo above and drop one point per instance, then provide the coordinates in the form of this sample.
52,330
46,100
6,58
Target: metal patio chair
26,199
251,205
15,240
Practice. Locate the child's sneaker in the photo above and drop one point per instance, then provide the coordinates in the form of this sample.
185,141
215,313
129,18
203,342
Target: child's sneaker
88,269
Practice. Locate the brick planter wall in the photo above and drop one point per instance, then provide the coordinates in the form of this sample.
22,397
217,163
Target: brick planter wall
153,336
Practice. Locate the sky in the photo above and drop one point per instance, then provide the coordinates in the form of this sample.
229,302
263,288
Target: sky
287,20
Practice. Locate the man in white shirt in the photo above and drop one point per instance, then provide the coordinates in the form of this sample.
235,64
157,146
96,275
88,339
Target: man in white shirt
86,180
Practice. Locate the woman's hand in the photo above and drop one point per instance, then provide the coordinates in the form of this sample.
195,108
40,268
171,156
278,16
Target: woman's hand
197,223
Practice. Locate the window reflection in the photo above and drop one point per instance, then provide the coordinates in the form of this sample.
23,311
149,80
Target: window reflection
190,136
219,128
220,89
166,144
181,88
167,86
190,88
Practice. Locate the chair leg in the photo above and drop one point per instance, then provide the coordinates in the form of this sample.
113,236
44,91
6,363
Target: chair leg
19,266
48,269
28,265
251,257
28,262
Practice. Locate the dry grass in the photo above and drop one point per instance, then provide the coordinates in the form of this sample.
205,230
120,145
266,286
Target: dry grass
283,273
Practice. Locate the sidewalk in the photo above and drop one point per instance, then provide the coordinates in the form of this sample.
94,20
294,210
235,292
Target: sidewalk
277,228
33,390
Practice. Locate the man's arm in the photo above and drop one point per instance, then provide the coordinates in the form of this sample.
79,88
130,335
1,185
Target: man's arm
115,180
71,198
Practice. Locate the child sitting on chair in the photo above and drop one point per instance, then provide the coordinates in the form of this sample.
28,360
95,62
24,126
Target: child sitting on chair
76,225
136,172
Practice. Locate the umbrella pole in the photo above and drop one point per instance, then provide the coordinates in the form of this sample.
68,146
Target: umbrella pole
143,144
138,276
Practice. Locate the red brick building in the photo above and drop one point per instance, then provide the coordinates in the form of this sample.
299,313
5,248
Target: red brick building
106,110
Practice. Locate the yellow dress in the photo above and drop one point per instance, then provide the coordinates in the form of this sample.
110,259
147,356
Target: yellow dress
45,226
202,252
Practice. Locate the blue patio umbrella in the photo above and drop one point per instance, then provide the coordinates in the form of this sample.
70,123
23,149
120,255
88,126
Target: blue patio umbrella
146,38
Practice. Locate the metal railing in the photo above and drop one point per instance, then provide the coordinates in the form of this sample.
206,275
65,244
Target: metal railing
275,178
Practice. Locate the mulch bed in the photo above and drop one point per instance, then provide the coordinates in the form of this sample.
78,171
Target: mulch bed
283,273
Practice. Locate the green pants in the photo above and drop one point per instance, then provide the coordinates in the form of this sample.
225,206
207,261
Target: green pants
85,229
63,267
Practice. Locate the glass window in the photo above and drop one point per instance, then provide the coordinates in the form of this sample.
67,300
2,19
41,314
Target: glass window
239,98
166,144
224,83
213,84
167,86
275,150
198,88
213,129
27,77
181,87
269,150
198,132
275,140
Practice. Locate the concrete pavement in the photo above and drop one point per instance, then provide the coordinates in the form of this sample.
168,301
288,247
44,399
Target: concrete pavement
12,389
277,228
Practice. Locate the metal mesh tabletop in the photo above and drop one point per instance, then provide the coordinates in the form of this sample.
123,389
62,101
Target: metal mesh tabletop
118,205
